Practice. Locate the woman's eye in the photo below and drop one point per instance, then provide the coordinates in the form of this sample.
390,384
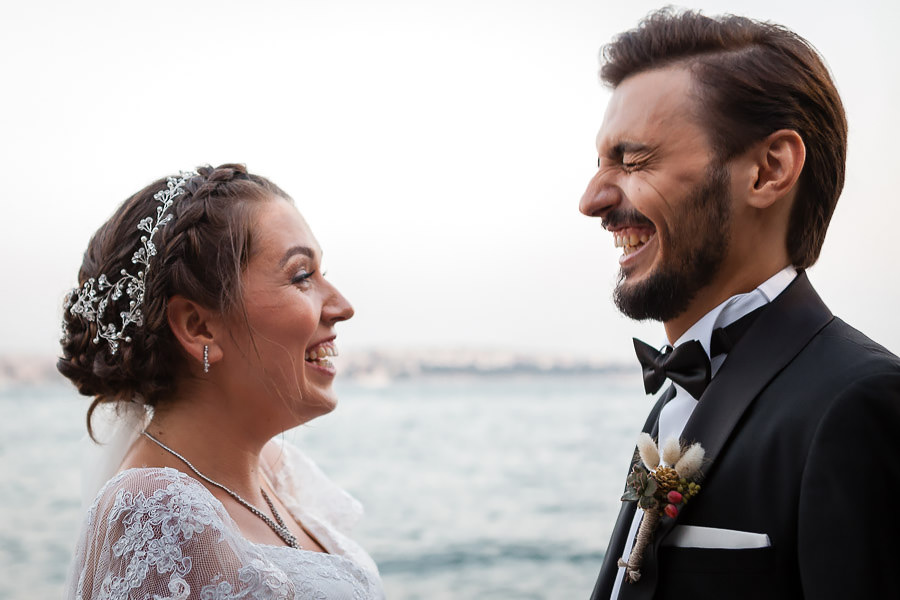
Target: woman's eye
302,277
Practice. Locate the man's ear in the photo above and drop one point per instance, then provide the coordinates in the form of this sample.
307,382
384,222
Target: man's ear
195,326
777,162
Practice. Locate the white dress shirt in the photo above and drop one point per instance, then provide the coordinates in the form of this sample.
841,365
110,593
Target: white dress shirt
675,414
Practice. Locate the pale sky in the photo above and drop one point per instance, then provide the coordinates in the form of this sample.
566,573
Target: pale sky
438,150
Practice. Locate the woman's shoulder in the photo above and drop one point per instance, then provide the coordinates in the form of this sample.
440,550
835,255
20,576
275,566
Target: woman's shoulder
147,479
157,529
164,491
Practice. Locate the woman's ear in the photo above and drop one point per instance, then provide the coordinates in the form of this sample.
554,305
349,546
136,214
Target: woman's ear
195,327
778,161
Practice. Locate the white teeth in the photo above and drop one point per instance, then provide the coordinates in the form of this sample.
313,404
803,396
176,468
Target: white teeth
320,353
630,241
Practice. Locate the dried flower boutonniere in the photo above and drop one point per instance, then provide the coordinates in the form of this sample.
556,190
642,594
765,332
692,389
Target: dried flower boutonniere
660,488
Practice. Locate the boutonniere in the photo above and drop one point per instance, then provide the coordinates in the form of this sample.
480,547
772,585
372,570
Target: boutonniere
661,488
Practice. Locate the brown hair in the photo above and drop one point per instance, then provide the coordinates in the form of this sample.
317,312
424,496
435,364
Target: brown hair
754,79
201,255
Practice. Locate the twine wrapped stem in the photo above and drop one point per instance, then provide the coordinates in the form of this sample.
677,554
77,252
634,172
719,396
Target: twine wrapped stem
644,535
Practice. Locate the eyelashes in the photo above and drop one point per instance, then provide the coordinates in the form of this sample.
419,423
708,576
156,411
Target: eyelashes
627,166
302,277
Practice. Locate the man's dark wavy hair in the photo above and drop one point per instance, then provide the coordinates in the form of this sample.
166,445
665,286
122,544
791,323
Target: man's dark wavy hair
753,78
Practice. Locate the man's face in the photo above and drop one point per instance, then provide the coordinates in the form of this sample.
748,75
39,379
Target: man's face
662,194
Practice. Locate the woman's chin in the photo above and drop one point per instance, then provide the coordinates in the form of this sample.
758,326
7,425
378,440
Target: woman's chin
315,405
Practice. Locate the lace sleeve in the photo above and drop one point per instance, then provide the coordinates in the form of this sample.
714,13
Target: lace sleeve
157,533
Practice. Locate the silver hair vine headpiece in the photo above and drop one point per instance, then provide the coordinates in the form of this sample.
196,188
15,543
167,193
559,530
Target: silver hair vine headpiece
91,300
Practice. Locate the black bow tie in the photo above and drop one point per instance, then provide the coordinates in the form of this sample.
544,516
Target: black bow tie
688,365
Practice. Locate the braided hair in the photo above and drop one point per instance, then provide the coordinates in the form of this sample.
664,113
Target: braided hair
200,255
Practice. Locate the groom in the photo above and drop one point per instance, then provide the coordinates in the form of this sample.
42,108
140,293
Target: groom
721,159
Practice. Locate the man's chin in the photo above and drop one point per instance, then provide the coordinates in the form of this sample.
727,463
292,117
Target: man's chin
635,280
658,296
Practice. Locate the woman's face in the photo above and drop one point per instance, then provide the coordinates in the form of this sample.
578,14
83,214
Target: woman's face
291,310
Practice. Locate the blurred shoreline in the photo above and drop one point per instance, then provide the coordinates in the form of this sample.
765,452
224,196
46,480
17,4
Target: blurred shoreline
376,367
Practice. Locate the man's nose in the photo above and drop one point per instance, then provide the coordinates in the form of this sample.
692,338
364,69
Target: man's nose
599,198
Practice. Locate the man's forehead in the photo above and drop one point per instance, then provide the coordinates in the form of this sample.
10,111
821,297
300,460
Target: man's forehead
648,105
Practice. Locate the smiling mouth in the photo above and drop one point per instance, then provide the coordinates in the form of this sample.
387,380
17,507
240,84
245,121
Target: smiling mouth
632,239
320,354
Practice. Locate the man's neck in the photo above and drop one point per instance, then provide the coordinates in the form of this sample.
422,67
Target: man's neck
741,281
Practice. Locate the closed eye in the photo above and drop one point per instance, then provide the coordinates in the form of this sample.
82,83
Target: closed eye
628,166
302,277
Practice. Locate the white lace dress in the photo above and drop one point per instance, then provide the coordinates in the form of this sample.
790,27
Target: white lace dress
158,534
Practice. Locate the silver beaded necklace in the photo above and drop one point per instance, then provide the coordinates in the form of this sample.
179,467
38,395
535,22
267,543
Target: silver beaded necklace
278,527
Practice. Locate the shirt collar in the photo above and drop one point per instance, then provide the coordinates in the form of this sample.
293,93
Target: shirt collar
736,307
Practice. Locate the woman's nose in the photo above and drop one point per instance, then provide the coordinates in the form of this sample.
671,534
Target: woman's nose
336,308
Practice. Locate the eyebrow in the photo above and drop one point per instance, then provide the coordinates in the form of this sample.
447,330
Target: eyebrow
625,147
305,250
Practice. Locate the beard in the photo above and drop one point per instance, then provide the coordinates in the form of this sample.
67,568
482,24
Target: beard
693,258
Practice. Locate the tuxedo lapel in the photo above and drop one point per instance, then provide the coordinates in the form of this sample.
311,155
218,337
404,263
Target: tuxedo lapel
619,536
781,331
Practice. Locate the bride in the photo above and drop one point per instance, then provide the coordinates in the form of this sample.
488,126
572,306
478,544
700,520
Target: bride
204,324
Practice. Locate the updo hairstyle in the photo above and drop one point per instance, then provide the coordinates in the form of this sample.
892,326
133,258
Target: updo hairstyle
201,254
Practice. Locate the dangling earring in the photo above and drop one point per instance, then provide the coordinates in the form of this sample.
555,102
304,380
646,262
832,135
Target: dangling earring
206,359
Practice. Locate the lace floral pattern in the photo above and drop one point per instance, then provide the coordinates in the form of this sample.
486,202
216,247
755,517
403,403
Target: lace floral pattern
158,534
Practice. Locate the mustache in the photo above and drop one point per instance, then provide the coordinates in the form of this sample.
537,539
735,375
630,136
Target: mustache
625,218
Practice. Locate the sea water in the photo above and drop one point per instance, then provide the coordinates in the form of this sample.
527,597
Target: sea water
482,487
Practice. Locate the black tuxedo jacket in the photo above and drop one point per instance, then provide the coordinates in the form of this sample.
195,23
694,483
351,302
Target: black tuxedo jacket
801,427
